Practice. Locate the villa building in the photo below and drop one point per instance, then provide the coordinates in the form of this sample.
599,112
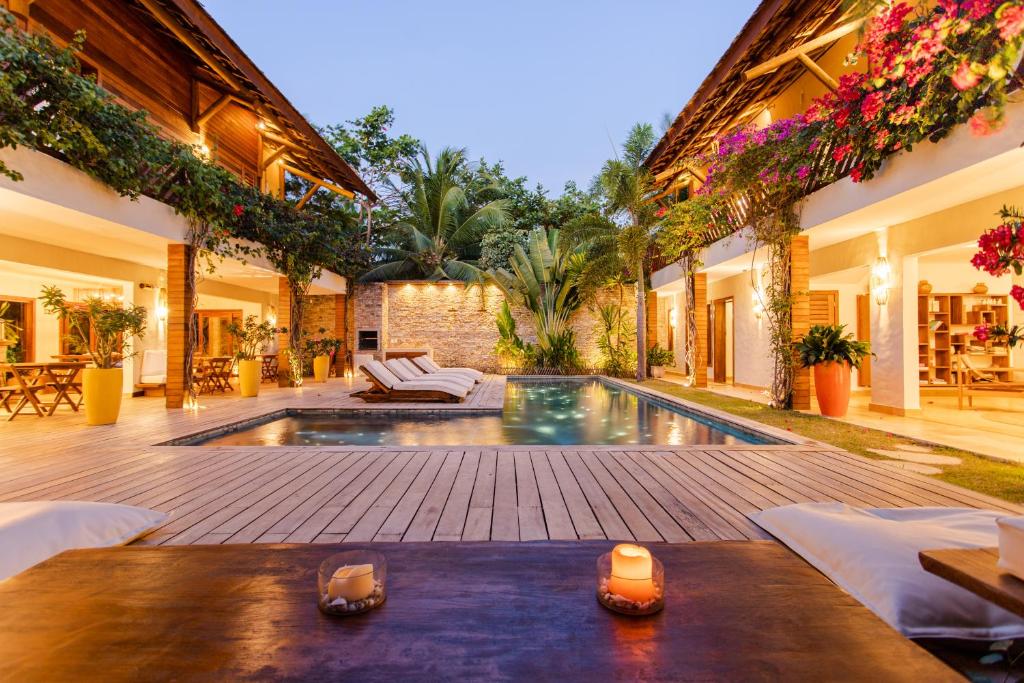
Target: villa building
889,257
60,227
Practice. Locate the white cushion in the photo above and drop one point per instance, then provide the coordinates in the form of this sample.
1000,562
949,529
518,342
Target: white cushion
413,373
411,367
431,368
153,379
383,375
34,531
452,388
400,370
872,553
154,362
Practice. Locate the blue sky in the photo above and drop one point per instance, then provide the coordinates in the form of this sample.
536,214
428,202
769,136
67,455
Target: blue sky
540,84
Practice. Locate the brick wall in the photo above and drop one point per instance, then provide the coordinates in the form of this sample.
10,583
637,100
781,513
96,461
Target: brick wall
458,323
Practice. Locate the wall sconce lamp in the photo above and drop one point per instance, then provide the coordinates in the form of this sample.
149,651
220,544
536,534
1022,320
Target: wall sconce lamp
272,317
881,280
757,296
672,318
161,305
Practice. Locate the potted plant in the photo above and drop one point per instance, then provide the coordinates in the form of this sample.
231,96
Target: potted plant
322,349
658,358
832,354
250,337
112,326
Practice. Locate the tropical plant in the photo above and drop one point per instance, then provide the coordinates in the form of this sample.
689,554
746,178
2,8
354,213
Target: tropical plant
251,336
498,245
827,344
615,341
511,349
543,280
439,227
8,330
112,324
628,187
658,356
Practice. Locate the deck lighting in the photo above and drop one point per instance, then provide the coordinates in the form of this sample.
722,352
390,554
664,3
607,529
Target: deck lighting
881,280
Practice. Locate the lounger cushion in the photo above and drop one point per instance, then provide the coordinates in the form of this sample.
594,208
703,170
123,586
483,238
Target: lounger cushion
153,379
383,375
408,375
389,380
430,366
31,532
872,553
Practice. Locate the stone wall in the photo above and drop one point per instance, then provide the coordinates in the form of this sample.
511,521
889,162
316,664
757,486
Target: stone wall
319,312
456,323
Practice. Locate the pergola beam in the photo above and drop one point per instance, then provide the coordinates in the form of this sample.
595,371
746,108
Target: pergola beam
278,153
213,109
818,72
309,195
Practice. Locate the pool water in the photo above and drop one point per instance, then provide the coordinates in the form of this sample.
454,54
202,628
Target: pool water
537,412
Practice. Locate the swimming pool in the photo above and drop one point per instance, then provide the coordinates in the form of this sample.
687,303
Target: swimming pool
561,411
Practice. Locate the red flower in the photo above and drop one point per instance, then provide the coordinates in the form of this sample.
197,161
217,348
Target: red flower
857,173
981,333
660,212
842,151
965,78
238,210
871,105
1010,21
1017,292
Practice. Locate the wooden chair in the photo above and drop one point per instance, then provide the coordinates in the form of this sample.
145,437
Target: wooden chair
268,370
974,381
385,387
29,379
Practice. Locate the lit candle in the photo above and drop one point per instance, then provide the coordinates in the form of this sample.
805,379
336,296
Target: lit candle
351,582
632,572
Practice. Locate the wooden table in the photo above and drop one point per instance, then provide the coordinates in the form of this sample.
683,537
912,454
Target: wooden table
466,611
30,379
213,373
975,569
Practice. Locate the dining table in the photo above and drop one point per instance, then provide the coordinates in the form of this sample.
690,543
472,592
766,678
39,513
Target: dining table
26,382
513,611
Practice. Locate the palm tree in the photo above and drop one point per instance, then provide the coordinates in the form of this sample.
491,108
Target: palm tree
621,240
544,281
439,227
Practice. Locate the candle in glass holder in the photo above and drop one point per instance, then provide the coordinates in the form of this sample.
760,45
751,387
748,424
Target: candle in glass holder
351,582
632,573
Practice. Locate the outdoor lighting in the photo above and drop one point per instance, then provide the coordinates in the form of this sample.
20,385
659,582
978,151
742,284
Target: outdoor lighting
261,125
161,313
272,317
630,580
352,582
881,280
757,296
672,319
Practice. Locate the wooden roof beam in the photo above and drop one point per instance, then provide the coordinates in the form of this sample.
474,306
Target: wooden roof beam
323,183
309,195
213,109
801,52
171,24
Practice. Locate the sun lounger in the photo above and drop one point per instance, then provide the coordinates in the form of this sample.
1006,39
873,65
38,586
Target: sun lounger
428,366
974,381
407,372
386,387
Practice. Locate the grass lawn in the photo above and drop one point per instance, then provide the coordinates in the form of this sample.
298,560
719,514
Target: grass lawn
998,479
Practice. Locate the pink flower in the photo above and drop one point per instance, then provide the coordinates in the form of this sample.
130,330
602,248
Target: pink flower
984,123
1010,21
871,105
977,9
965,78
981,333
803,172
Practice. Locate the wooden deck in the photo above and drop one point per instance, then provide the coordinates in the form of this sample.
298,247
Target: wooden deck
341,494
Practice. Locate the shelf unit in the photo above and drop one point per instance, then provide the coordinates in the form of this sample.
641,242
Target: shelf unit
945,328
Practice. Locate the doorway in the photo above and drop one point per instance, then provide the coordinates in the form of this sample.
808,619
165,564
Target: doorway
723,341
17,329
214,338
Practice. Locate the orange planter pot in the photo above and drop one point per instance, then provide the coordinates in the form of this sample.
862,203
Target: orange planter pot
832,386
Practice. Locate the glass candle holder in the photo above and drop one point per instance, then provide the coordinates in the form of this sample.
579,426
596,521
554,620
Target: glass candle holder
352,582
631,581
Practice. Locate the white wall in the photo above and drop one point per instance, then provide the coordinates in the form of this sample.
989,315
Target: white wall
753,365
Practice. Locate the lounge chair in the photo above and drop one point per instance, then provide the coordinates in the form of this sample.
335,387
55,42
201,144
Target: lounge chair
973,381
153,377
407,372
386,387
427,364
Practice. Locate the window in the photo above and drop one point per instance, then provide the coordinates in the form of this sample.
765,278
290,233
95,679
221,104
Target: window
368,340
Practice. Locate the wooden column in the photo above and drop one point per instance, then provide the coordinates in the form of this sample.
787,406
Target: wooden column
700,309
341,332
652,319
284,317
179,316
800,286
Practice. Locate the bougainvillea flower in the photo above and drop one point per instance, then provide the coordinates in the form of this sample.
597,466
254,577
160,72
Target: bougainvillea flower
965,77
1010,21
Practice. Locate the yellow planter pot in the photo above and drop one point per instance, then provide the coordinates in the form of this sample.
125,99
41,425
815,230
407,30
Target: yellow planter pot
321,368
249,372
101,391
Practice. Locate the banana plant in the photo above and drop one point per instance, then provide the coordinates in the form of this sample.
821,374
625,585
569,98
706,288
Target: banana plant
544,280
